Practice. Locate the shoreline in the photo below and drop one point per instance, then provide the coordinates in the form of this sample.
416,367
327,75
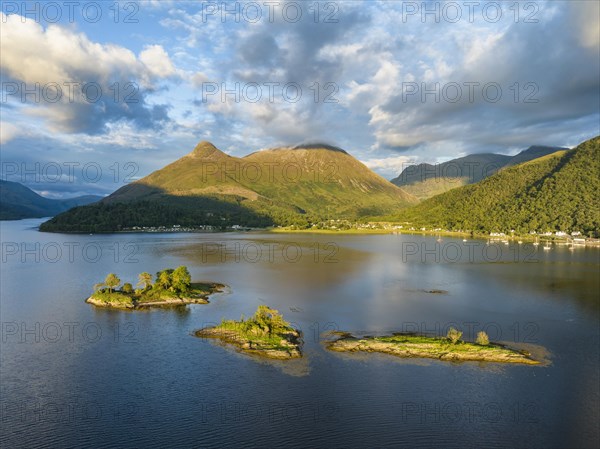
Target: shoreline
558,240
140,305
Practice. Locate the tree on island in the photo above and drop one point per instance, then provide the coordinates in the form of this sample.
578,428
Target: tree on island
454,335
270,320
145,279
482,338
163,279
181,280
112,281
177,281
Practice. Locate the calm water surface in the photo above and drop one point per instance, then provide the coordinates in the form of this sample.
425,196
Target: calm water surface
76,376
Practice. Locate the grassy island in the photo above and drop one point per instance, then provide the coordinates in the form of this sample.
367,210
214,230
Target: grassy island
449,348
266,333
171,287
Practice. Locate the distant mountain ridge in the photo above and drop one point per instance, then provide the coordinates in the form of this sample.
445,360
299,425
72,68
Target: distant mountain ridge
280,186
18,202
427,180
556,192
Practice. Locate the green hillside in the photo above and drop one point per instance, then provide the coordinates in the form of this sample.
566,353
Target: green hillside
557,192
280,186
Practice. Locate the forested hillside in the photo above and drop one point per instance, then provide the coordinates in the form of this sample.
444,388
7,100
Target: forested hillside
558,192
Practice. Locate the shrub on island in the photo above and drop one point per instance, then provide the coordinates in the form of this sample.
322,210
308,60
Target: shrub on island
482,339
454,335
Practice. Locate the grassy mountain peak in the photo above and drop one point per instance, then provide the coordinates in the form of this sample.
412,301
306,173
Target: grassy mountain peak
206,150
287,185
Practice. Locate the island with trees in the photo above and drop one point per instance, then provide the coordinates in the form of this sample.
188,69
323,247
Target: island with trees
449,348
170,287
266,334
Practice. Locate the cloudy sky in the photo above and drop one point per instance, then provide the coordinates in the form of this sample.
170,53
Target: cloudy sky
86,91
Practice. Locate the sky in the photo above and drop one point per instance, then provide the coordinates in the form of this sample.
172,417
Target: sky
97,94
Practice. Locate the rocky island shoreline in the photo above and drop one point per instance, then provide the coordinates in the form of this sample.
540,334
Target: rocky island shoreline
171,288
265,334
449,348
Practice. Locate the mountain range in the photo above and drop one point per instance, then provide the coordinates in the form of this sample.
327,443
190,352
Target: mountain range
540,189
427,180
281,186
18,201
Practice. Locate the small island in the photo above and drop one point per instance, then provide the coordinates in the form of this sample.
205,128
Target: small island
171,287
449,348
266,334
